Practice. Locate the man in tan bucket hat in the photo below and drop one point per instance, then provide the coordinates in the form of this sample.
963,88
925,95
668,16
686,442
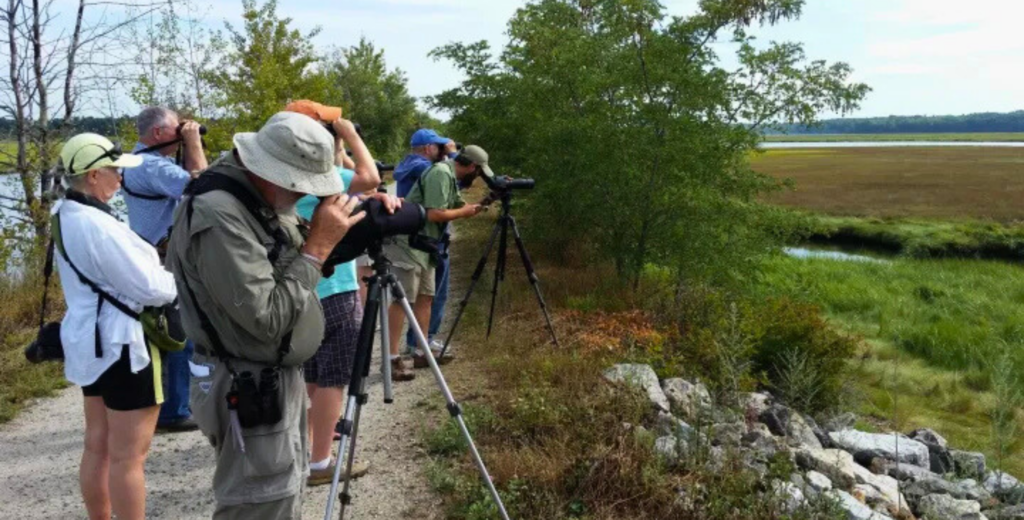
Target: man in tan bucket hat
247,280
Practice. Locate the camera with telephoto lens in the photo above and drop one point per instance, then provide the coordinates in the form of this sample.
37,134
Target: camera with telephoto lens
505,183
202,129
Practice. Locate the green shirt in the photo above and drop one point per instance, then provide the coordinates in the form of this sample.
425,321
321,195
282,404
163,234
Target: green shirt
436,189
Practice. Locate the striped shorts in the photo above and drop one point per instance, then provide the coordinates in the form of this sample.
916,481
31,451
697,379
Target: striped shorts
331,366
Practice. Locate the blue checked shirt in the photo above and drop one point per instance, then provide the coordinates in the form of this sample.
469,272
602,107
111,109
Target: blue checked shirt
157,176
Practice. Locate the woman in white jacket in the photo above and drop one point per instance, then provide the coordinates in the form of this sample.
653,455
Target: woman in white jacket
106,270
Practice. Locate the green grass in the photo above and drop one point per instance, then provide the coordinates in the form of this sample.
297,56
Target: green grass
920,238
961,137
935,328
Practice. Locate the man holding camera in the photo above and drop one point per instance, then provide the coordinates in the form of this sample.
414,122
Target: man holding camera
247,280
151,192
438,191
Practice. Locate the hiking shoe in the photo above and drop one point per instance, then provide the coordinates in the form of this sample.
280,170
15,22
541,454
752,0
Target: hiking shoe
319,477
184,425
399,372
420,360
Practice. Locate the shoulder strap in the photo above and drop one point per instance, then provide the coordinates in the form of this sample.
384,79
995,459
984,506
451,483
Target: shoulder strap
124,187
264,214
214,181
101,295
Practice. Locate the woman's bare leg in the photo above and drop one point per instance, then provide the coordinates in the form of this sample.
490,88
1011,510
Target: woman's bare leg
95,468
130,434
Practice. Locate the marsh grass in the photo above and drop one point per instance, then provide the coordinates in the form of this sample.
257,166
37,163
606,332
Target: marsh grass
947,137
934,329
946,183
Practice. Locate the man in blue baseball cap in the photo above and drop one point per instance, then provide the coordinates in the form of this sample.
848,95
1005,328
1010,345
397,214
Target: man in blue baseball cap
427,149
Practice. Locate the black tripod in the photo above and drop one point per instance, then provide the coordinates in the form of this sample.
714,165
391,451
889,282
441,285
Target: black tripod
377,297
505,222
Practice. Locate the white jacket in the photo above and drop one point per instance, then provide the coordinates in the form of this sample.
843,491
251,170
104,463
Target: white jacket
121,263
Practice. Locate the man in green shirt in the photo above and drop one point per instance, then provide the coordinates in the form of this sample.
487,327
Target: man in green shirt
437,190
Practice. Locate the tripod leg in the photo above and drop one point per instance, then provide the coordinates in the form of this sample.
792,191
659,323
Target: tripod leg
499,270
532,275
472,285
356,395
453,407
385,348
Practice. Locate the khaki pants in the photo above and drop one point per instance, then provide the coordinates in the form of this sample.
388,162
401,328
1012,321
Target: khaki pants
415,280
271,473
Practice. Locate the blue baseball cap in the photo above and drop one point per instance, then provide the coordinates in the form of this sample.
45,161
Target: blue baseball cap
425,136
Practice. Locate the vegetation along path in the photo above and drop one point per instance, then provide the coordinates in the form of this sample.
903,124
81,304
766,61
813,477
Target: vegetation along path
42,446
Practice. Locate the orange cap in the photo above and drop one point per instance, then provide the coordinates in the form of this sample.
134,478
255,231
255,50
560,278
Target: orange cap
315,110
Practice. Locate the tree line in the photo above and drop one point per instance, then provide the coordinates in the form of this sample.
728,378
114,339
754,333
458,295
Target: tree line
968,123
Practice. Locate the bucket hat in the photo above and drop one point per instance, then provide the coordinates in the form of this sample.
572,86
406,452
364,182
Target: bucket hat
294,152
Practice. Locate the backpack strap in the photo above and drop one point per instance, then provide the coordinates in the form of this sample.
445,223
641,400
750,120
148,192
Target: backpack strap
101,295
212,181
124,187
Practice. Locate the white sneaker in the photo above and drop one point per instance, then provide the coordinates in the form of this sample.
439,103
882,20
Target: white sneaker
436,346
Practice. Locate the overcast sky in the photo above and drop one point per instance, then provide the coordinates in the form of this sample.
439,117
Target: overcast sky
919,56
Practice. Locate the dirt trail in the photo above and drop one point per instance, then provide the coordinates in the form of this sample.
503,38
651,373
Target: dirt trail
41,448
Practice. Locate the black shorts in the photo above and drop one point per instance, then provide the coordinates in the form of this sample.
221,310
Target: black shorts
124,391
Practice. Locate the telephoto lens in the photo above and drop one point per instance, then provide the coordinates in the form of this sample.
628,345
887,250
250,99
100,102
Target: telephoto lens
270,391
250,405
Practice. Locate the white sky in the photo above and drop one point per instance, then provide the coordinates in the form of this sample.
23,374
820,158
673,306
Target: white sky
919,56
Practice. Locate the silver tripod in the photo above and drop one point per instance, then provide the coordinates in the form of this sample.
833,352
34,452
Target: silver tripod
377,304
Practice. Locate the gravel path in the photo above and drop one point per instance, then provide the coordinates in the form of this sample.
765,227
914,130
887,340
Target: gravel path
41,448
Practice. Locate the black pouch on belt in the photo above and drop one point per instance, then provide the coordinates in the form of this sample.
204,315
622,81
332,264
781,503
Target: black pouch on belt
250,404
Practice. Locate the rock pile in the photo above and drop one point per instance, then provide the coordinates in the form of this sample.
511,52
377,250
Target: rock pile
872,476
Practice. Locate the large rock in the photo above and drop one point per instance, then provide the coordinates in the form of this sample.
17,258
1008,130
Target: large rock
968,464
1004,487
837,465
687,400
855,510
916,491
896,447
945,507
727,434
970,489
668,424
670,448
817,482
785,421
640,376
790,494
1006,513
909,472
753,404
886,485
940,460
929,436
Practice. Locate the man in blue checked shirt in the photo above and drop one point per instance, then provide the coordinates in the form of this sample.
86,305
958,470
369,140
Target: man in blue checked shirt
151,192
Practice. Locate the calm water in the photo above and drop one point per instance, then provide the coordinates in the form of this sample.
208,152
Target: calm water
807,253
892,144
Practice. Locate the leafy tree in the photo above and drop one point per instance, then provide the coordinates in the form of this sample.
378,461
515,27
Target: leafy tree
635,132
373,96
265,65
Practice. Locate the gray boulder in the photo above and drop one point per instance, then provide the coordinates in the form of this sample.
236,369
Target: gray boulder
817,482
837,465
639,376
909,472
786,422
1004,487
687,400
668,424
670,448
855,510
929,436
916,491
896,447
1006,513
753,404
727,434
968,464
790,494
970,489
945,507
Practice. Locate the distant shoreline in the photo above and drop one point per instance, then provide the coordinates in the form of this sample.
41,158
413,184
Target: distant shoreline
945,137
